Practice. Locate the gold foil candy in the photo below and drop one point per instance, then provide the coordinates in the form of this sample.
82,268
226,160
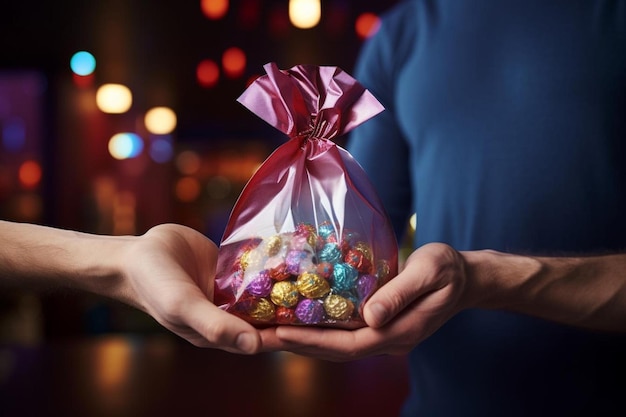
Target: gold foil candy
285,294
251,258
311,285
262,310
383,270
309,232
273,244
338,307
365,249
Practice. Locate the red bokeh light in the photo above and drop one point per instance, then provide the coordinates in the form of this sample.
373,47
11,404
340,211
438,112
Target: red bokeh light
234,62
207,73
367,24
30,174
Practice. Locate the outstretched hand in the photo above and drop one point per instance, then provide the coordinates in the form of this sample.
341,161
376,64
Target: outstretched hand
169,273
402,313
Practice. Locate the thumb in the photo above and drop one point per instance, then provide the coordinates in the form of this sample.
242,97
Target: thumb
388,301
397,294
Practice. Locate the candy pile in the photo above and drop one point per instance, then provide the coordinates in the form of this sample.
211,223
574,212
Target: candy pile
308,276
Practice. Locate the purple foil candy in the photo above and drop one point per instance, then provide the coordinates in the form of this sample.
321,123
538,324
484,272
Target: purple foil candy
261,284
293,260
310,311
365,286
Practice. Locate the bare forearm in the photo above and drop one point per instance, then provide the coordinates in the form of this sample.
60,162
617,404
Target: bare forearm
32,255
585,291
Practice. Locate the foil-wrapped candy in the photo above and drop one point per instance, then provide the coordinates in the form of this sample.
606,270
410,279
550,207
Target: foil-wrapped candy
308,241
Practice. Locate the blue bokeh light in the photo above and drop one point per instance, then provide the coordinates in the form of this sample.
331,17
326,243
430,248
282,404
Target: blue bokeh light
13,134
125,145
83,63
161,149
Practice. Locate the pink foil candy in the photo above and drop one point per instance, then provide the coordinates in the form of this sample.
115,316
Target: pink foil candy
308,193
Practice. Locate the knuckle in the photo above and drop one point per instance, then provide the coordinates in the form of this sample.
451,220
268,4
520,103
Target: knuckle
444,262
215,332
396,300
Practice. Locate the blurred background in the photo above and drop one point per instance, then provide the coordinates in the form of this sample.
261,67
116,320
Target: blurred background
119,115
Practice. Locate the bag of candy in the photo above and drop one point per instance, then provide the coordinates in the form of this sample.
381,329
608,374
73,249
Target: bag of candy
308,240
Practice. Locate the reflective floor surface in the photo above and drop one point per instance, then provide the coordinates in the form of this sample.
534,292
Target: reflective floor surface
159,375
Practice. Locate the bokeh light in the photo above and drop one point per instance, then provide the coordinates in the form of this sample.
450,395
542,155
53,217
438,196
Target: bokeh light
234,62
305,14
214,9
13,134
207,73
188,162
125,145
114,98
366,25
187,189
112,363
160,120
83,63
29,174
161,149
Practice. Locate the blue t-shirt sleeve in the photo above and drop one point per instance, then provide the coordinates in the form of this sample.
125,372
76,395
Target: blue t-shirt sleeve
379,145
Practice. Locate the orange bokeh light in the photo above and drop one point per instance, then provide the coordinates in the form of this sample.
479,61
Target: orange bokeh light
207,73
234,62
30,174
367,24
187,189
214,9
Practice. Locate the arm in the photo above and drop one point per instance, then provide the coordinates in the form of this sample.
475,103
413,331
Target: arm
588,292
438,282
167,272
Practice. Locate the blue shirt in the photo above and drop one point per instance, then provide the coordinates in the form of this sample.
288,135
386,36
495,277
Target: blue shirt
505,128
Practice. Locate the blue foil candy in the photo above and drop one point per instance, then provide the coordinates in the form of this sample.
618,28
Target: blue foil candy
344,277
330,253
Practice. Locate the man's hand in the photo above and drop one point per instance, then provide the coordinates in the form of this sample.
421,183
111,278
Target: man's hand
406,310
169,273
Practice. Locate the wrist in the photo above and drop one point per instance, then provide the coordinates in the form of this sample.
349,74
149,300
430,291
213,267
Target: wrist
494,279
99,264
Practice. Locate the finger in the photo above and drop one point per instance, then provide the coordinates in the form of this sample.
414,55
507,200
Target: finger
220,329
270,342
331,343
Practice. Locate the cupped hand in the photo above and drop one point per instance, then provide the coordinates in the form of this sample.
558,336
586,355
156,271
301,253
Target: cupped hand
169,273
402,313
